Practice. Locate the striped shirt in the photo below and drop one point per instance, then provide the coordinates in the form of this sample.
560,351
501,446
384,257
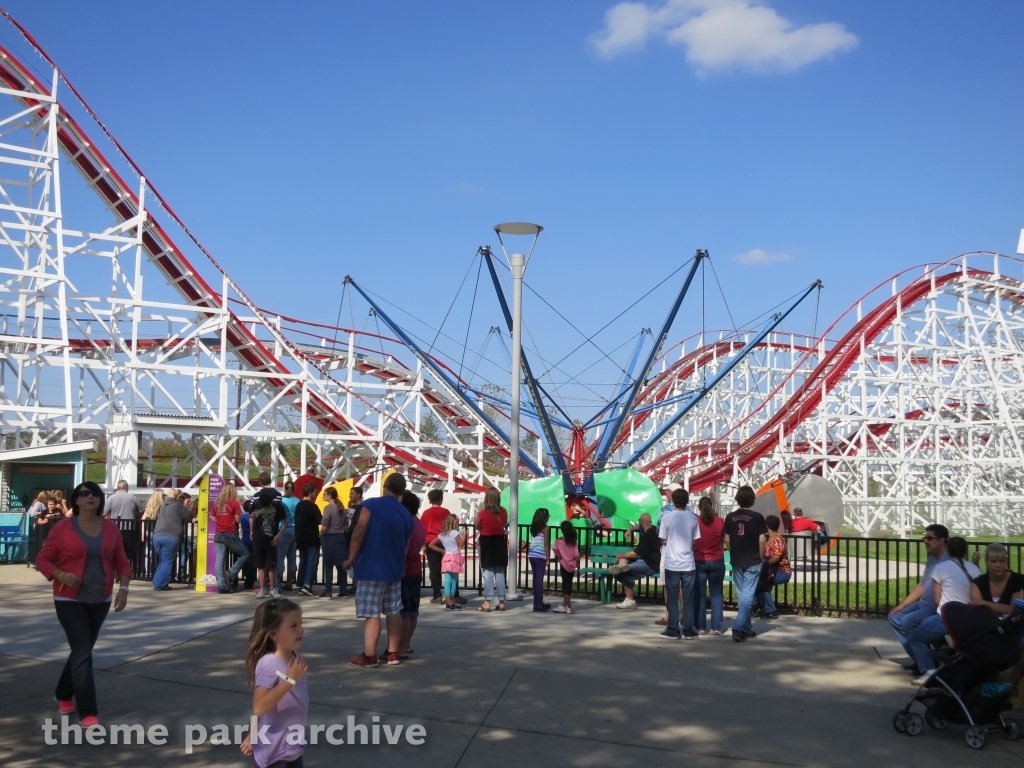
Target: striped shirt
537,547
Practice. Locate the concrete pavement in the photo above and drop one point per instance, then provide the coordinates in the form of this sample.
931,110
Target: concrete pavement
597,688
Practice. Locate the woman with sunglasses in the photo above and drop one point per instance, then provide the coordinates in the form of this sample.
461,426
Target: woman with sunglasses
82,556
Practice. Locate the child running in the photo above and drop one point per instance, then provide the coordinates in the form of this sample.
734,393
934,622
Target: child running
568,556
450,541
278,674
537,554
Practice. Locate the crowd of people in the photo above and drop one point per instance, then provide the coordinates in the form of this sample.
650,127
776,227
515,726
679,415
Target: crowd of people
381,544
687,550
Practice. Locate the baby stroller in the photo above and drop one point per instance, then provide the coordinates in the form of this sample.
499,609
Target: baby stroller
963,688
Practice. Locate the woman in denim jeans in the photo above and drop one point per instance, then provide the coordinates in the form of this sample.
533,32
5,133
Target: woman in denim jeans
227,514
710,558
491,523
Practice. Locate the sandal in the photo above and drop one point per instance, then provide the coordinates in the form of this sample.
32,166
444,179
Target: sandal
481,609
501,606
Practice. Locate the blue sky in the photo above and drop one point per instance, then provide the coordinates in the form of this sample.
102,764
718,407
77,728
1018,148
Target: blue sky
305,141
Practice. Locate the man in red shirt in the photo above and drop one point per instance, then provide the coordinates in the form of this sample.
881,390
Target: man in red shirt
801,523
433,519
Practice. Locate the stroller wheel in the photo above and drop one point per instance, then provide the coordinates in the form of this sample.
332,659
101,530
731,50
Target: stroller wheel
1011,729
898,721
975,737
913,723
936,722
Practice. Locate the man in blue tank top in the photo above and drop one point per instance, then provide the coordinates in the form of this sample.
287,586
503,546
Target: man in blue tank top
377,550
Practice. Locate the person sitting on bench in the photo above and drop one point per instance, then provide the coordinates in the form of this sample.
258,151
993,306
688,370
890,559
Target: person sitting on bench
644,560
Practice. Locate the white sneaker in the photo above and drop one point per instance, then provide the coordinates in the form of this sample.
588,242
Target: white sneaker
627,604
262,593
559,609
570,610
275,592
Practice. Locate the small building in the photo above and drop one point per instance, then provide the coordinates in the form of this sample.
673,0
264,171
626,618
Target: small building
24,472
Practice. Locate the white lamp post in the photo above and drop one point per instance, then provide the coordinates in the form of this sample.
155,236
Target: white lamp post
517,263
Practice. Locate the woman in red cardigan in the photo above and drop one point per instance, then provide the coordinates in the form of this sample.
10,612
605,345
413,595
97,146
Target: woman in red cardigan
81,556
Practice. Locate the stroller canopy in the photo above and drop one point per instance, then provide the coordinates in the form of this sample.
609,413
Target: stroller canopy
991,642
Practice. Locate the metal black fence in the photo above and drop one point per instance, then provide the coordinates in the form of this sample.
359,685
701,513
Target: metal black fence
838,577
137,536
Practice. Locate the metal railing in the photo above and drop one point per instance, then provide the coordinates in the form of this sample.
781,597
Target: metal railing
844,576
137,537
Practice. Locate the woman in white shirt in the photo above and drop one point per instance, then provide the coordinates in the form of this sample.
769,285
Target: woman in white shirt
951,582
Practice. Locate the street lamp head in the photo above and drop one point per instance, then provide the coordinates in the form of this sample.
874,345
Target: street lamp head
518,228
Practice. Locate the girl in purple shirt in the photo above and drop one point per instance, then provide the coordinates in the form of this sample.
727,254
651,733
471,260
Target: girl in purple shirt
277,673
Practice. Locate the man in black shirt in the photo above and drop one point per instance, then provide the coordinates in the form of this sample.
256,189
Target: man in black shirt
643,561
266,515
744,536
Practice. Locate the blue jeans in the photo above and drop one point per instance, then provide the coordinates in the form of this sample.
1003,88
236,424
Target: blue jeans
907,620
492,575
927,633
165,549
769,601
224,542
335,550
688,581
745,581
286,549
309,559
710,575
638,569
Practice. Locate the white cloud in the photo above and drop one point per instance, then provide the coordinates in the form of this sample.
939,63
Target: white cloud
722,34
758,256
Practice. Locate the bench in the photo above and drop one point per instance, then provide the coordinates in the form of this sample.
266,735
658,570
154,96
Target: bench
604,555
12,540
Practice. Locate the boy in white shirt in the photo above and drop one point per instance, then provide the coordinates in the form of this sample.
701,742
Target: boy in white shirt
678,530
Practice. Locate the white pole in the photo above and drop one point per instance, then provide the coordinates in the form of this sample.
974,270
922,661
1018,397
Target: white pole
518,268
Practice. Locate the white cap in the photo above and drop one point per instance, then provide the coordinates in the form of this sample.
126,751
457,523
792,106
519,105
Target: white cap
672,487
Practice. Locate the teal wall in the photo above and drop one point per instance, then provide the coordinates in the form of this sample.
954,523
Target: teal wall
59,472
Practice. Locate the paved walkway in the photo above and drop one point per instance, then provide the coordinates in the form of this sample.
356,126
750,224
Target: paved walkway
596,689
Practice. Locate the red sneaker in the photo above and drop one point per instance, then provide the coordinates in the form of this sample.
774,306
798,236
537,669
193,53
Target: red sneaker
89,721
393,658
362,660
65,707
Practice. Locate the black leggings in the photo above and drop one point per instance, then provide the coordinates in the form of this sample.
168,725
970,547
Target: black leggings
81,623
567,577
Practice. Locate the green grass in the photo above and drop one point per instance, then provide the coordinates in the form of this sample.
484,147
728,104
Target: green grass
908,551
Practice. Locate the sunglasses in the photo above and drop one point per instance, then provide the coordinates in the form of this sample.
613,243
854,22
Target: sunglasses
86,493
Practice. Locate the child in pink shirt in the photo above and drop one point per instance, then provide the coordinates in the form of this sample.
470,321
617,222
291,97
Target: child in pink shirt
568,556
